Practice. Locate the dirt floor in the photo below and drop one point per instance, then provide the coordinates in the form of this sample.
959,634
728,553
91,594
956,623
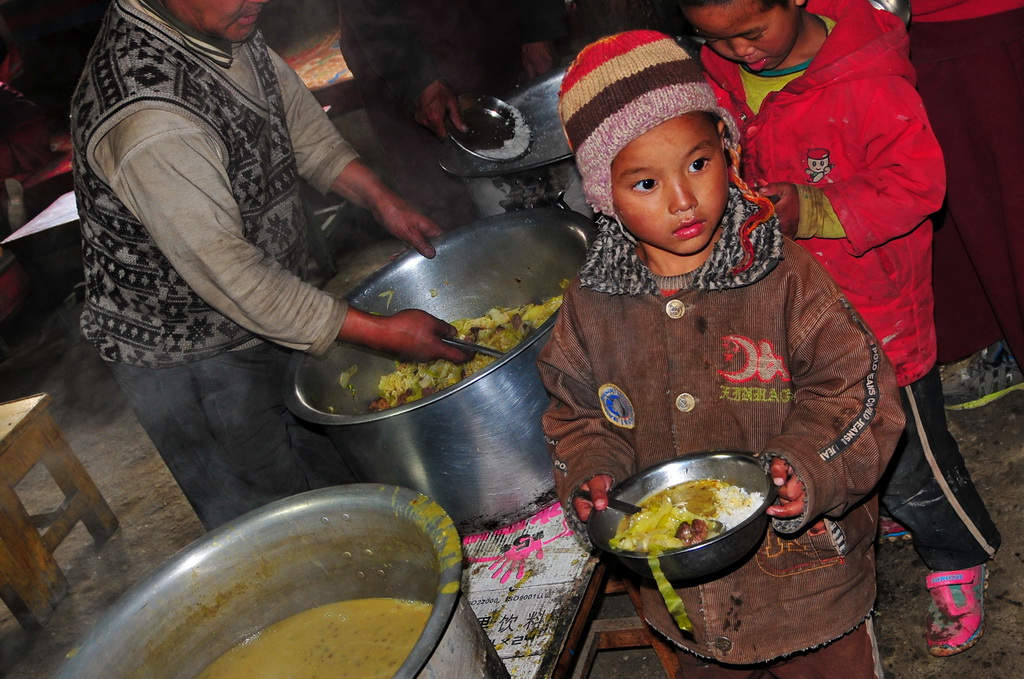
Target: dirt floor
48,355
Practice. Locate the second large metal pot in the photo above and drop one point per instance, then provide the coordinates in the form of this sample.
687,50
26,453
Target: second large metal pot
334,544
476,448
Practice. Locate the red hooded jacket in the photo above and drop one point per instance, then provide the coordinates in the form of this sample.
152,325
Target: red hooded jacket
854,125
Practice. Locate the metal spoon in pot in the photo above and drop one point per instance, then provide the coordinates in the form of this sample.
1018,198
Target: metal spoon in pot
470,346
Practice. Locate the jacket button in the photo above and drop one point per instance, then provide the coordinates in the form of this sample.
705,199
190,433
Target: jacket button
685,402
752,130
723,644
675,308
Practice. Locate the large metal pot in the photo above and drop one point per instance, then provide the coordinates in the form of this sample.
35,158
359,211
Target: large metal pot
476,448
335,544
543,177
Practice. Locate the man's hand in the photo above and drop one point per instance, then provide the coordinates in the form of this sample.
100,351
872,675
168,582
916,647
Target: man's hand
411,335
437,101
359,184
411,227
598,487
539,57
787,206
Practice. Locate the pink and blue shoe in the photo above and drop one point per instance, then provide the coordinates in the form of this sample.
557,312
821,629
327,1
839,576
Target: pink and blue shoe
889,530
956,611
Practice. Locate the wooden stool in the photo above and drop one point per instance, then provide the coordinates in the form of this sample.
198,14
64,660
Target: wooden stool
31,583
612,633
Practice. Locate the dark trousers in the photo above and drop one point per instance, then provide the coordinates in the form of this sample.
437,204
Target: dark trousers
927,487
853,656
221,426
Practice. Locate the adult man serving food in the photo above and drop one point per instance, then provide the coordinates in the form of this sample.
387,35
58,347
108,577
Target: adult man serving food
189,140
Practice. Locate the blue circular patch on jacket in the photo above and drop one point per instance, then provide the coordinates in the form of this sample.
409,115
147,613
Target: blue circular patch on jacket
616,406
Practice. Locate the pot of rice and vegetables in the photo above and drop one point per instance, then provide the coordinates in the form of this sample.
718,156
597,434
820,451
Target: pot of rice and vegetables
467,436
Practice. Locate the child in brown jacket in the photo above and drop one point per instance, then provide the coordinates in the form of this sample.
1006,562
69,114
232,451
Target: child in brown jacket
707,330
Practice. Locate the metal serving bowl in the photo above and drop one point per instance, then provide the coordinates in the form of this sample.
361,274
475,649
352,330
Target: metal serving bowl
476,448
901,8
497,130
704,558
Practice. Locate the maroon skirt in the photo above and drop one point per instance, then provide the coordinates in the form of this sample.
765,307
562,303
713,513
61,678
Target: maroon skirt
971,78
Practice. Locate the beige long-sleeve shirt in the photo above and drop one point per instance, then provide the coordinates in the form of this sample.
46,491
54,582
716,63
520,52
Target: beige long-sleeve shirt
169,171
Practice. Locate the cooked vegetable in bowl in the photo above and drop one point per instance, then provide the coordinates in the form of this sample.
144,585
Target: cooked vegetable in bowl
684,515
701,513
728,487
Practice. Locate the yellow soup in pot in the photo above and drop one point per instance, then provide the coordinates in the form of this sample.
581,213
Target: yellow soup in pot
361,639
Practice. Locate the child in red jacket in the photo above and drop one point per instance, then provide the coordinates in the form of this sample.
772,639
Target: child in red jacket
834,129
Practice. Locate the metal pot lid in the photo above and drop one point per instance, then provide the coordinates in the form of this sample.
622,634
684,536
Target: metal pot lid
537,99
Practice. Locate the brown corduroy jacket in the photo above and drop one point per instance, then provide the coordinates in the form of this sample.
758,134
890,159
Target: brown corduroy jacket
781,367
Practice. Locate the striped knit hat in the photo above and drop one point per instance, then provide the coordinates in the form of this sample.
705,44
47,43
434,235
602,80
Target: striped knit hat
617,89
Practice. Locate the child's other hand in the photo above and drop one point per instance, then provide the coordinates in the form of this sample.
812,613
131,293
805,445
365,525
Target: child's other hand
791,491
598,487
787,204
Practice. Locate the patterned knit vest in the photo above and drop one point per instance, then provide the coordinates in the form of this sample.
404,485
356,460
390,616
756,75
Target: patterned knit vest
138,309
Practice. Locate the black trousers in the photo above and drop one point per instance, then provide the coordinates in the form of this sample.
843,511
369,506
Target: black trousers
928,489
222,428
